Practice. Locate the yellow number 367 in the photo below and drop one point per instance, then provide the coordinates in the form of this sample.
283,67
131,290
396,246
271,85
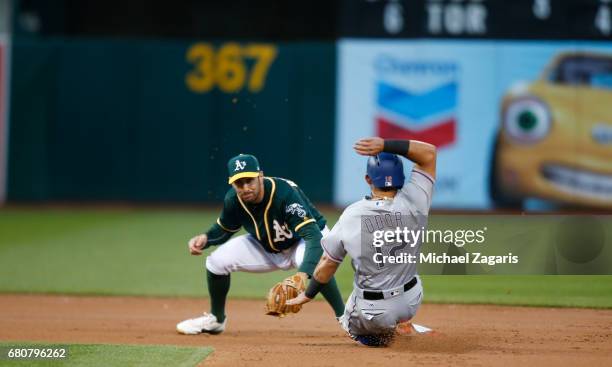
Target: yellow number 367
226,67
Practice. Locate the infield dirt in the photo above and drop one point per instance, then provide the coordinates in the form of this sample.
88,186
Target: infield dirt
466,335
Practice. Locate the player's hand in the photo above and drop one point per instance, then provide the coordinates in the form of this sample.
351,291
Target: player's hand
369,146
299,300
196,244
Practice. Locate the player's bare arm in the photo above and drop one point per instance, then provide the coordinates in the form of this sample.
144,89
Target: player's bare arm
323,273
325,270
424,155
421,153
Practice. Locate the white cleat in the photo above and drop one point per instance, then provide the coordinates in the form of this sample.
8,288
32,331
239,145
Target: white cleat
343,321
408,328
206,323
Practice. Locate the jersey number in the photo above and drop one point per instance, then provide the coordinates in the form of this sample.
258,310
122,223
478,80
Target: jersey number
379,222
392,251
281,232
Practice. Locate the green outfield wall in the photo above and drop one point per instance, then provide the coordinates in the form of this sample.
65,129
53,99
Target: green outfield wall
129,120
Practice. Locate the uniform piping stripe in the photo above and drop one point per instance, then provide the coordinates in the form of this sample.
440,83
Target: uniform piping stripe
424,174
266,212
330,256
348,322
225,228
250,215
303,224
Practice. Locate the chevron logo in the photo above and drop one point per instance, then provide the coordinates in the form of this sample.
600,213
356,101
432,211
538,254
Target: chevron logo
428,116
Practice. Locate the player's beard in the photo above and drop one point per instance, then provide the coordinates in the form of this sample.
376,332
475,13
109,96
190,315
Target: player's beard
251,195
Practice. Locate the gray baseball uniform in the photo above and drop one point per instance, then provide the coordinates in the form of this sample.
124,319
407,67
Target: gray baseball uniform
355,233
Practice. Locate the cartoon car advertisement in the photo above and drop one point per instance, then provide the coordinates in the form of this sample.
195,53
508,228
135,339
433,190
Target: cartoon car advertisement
555,136
518,125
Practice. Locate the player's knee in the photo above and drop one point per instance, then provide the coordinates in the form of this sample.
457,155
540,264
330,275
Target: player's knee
216,265
298,256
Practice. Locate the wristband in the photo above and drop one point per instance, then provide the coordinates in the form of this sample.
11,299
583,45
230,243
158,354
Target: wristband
314,287
400,147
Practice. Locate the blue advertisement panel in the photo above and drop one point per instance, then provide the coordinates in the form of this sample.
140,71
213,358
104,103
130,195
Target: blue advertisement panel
517,124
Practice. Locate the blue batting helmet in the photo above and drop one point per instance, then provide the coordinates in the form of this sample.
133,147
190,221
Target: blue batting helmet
386,170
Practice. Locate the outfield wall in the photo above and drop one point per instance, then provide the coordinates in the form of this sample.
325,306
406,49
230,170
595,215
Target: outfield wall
520,115
157,120
5,62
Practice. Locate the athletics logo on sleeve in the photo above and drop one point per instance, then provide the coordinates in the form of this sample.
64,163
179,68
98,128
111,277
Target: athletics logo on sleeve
296,208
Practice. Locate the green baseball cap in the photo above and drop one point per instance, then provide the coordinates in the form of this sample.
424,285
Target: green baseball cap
242,165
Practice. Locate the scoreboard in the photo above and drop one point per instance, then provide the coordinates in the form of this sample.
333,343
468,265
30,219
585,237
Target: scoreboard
321,19
501,19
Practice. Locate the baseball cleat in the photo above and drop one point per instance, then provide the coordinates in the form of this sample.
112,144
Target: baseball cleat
343,322
408,328
207,323
405,328
340,319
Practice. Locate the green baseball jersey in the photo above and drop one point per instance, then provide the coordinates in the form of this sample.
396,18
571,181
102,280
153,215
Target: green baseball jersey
276,221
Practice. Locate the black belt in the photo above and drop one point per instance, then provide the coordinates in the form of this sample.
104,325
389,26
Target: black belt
373,296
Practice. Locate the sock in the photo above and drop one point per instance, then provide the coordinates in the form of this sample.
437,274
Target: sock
331,293
218,286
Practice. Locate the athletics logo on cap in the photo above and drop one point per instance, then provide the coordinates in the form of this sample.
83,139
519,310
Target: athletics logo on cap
241,166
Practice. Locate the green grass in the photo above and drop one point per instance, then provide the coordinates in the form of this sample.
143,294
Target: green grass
109,355
144,252
594,291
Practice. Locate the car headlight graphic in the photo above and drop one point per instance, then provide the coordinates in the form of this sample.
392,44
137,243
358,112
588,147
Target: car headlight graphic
527,120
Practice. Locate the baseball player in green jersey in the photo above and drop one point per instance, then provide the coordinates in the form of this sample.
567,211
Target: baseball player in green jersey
284,232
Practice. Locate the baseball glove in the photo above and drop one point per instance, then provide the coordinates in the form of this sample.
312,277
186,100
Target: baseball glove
281,292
